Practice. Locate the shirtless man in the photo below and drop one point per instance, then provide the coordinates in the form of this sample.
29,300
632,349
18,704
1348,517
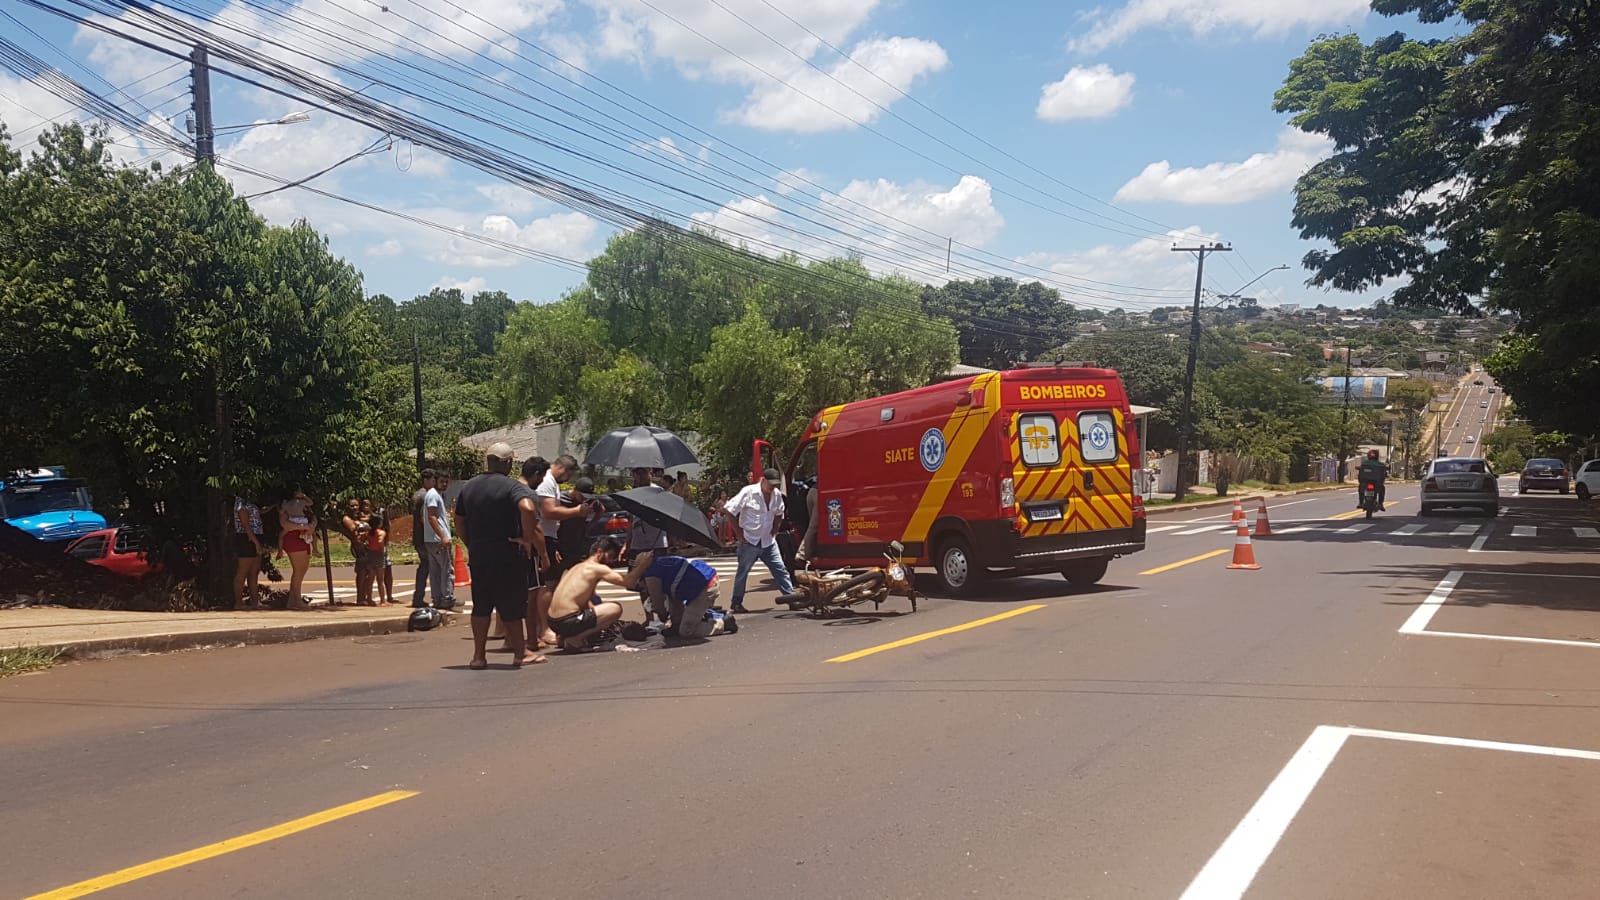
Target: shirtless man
576,613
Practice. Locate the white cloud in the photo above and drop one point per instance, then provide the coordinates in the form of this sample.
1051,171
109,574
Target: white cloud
895,228
810,101
1085,92
797,179
467,286
1148,263
1227,183
709,41
390,247
1262,18
569,235
512,199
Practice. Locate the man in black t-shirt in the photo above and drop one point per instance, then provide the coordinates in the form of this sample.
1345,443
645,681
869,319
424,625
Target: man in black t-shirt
497,519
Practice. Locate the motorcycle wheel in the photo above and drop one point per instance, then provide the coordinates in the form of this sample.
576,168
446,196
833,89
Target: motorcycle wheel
866,578
1370,511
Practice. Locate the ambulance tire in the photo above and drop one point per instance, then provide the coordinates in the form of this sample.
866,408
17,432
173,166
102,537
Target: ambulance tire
1085,573
953,564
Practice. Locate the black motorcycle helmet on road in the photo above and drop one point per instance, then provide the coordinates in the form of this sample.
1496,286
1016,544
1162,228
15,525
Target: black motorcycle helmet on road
425,619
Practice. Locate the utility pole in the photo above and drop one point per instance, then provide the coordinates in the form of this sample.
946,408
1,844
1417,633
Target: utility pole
204,133
1344,421
1186,424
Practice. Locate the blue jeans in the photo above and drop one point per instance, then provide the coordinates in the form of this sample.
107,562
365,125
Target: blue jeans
442,575
748,554
420,594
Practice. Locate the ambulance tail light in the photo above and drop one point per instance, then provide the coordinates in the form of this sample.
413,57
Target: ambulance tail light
1008,496
1138,506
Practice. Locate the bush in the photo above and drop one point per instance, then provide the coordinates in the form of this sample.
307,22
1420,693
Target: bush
1508,460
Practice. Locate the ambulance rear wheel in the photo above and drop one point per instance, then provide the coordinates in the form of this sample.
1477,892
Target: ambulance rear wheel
1085,573
955,568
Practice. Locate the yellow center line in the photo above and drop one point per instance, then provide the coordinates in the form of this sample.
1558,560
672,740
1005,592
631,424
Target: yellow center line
1348,515
1193,559
930,635
199,854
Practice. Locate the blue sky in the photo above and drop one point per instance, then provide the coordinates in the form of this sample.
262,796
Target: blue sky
1070,142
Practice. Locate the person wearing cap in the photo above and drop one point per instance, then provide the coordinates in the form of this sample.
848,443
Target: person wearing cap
758,509
499,521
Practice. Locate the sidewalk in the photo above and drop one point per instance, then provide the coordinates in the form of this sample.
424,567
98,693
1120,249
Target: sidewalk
88,633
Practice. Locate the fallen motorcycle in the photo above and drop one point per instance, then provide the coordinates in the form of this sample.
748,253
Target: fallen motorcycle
824,593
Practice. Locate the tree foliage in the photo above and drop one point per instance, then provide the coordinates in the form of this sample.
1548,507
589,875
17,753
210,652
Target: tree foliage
1470,168
1002,322
178,350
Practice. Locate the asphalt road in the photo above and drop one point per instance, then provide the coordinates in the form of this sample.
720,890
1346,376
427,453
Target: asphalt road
1400,708
1471,414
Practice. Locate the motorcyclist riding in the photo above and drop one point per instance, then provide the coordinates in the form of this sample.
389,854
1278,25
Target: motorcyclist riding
1372,471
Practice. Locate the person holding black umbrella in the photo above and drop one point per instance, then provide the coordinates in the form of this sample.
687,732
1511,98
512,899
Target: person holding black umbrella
759,510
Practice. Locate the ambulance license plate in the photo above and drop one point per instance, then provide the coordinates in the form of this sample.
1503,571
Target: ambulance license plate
1045,514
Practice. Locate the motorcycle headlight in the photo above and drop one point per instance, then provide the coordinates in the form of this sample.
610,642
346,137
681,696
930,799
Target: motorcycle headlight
897,572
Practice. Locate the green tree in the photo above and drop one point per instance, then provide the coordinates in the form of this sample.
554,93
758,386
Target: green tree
1002,322
180,350
543,352
1466,166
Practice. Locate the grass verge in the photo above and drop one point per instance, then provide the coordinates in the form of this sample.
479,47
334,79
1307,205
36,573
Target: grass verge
18,660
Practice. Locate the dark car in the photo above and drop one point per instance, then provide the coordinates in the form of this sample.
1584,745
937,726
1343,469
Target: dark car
120,551
1544,475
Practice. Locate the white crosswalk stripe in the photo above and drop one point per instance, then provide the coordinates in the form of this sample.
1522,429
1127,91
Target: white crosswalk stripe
1407,530
1465,530
1211,529
1586,532
1356,529
1162,528
1524,531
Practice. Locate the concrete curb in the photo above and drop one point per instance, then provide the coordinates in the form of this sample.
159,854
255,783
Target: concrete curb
236,637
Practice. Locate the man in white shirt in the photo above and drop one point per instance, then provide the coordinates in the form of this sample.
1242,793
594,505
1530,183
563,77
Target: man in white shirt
758,509
436,542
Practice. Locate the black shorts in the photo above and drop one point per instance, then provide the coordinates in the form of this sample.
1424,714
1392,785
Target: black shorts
495,592
575,624
242,548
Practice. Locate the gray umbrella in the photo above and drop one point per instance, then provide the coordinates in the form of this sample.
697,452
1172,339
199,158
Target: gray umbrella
669,512
641,447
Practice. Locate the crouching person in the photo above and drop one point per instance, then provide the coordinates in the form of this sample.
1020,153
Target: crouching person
577,614
687,589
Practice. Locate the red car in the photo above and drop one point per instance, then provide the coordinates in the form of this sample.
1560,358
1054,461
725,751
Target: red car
118,550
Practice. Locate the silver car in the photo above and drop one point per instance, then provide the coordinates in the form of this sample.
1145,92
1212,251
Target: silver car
1460,481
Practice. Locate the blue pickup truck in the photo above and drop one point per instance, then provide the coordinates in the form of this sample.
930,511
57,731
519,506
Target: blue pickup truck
48,505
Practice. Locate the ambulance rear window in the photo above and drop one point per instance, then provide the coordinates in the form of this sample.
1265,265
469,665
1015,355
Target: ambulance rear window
1041,445
1097,432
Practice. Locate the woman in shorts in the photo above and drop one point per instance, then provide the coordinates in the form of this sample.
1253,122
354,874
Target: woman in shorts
297,539
247,551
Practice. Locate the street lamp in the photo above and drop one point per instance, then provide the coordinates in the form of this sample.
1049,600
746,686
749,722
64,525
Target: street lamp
290,119
1235,294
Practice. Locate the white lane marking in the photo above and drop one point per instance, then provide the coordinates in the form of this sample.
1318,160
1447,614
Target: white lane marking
1407,530
1477,545
1586,532
1162,528
1231,869
1298,530
1211,529
1355,529
1251,509
1464,530
1423,614
1524,531
1513,639
1474,743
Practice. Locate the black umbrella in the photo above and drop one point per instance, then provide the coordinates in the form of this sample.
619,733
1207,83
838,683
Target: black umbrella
669,512
641,447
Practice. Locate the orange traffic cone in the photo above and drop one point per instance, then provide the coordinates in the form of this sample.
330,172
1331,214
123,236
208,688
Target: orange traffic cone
1244,555
1238,510
1263,527
463,577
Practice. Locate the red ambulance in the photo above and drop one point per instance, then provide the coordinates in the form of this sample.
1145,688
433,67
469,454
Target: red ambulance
1003,473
